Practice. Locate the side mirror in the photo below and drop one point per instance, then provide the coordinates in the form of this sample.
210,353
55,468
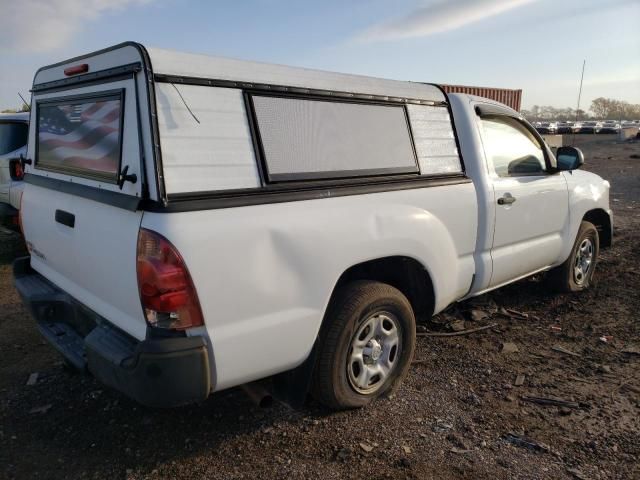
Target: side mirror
569,158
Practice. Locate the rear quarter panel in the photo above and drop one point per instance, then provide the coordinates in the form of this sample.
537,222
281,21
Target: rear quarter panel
264,274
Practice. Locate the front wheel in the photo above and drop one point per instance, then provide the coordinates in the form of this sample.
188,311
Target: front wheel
366,345
576,272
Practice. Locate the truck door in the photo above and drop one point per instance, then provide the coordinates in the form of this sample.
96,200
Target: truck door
531,204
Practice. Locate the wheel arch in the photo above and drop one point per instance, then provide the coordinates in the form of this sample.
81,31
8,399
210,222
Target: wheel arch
602,221
405,273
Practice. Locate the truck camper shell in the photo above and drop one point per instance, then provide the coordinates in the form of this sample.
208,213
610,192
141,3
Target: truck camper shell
188,105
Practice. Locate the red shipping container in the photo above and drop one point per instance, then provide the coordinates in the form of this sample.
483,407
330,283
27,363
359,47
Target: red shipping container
511,98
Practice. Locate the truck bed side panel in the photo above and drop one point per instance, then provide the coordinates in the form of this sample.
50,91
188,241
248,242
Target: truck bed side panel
264,274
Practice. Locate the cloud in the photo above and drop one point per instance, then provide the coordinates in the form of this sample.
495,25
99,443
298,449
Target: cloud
627,74
44,25
438,17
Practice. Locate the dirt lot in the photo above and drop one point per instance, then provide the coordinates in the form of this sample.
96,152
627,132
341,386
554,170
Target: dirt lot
459,414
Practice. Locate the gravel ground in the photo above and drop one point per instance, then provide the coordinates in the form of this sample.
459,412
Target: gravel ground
459,414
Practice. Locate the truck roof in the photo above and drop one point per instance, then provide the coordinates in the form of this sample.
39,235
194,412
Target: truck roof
180,64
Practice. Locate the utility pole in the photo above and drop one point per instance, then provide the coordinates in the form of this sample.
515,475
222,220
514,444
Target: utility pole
584,62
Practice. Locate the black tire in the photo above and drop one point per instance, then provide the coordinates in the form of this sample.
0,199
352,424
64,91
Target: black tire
355,304
564,278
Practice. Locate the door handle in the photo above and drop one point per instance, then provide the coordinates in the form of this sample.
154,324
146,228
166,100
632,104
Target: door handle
507,199
66,218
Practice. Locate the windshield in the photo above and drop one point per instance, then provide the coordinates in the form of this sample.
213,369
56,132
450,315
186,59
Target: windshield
12,136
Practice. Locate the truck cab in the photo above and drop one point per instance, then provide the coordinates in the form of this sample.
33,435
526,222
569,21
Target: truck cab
529,203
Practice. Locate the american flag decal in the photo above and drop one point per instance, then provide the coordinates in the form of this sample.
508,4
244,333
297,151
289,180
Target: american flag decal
84,136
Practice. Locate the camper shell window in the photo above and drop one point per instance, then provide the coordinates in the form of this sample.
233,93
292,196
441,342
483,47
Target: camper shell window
81,135
434,140
308,139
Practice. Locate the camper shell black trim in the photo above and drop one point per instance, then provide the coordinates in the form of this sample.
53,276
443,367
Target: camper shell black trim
284,89
109,197
280,193
85,79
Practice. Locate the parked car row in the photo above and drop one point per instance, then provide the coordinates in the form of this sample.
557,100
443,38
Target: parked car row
590,126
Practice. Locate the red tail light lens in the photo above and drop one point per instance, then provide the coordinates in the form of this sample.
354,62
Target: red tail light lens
15,169
168,297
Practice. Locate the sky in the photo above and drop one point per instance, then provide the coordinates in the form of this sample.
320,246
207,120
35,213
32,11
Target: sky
534,45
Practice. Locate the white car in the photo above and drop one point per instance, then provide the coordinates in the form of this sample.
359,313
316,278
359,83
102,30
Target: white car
14,132
197,223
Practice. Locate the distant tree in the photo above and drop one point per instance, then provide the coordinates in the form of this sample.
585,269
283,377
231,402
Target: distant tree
547,113
9,110
625,111
610,108
601,107
580,114
25,108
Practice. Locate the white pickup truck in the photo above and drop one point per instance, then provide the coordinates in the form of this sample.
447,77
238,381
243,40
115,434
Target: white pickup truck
198,223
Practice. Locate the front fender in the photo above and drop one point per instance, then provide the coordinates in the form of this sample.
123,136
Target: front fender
587,192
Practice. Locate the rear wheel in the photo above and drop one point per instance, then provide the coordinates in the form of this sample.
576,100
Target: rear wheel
576,272
366,345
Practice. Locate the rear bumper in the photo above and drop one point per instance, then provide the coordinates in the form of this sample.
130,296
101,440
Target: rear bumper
157,372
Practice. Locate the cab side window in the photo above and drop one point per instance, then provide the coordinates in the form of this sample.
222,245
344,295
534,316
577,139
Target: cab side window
512,149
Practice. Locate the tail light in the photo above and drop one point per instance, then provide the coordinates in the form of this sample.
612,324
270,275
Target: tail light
15,169
76,69
168,297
